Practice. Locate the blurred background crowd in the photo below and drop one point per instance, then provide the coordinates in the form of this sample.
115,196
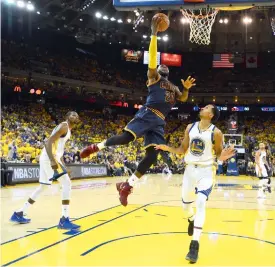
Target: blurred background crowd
25,128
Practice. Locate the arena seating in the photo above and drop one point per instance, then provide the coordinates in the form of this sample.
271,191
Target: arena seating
26,127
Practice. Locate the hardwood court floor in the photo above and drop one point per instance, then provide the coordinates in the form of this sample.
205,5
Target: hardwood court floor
239,228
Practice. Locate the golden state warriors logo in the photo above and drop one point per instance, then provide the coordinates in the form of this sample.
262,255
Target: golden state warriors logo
197,146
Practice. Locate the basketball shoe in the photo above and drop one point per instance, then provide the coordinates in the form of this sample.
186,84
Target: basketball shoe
65,223
87,151
124,190
192,255
190,228
19,218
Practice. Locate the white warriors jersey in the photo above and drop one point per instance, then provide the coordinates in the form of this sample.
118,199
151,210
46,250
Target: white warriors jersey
200,150
59,146
262,160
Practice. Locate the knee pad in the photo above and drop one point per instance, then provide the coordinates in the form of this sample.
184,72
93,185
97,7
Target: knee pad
151,153
150,158
66,187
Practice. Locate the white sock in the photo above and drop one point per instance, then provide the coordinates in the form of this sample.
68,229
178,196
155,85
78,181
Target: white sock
197,233
25,207
65,211
133,180
200,216
101,145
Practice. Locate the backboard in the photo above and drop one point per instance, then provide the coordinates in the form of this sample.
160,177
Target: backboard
190,4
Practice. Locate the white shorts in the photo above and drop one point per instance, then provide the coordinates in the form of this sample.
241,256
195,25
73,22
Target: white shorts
263,173
197,179
46,172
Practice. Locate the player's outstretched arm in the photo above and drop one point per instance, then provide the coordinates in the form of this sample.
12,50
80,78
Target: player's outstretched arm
177,150
187,85
153,51
222,153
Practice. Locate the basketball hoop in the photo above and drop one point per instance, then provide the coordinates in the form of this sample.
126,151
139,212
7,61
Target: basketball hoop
201,22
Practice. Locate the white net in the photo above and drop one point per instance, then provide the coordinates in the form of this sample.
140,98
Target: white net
273,25
201,22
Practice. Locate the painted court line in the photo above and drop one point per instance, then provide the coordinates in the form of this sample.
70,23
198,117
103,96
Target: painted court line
45,229
166,233
63,240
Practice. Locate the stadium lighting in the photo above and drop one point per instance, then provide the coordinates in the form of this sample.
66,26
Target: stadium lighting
119,21
30,7
105,17
247,20
129,20
221,21
98,15
184,20
144,36
225,21
80,19
11,2
20,4
112,19
165,38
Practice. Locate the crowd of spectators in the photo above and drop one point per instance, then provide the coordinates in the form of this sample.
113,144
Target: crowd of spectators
25,128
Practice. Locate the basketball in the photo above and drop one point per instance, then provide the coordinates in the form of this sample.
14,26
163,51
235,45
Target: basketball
164,23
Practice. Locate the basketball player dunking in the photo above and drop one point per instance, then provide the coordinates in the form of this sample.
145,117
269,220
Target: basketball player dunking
263,170
53,166
149,121
201,139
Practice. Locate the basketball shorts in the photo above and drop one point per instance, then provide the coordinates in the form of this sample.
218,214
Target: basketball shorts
147,124
46,172
263,173
197,179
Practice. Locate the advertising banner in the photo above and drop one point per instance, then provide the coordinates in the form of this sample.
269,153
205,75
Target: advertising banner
24,173
146,58
131,55
171,59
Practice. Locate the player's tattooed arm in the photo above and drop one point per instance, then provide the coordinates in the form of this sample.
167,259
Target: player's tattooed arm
187,85
222,153
177,150
62,130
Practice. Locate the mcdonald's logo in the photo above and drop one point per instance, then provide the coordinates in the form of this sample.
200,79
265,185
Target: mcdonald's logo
17,88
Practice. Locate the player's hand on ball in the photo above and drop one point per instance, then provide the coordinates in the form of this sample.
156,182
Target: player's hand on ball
154,26
227,153
162,147
188,83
